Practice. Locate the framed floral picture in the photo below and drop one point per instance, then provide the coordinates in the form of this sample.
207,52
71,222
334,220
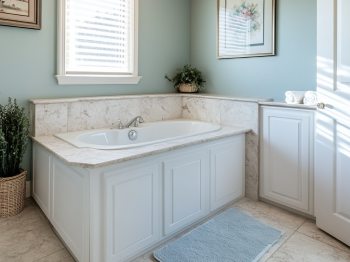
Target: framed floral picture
246,28
21,13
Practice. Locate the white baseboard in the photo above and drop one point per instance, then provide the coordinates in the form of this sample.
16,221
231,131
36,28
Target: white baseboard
28,189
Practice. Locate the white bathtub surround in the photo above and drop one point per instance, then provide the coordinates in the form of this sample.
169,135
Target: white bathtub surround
232,113
52,116
294,97
113,205
177,182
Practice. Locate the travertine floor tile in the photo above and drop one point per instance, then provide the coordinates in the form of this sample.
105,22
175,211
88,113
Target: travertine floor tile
145,259
275,247
27,237
271,215
60,256
281,221
149,257
310,229
303,248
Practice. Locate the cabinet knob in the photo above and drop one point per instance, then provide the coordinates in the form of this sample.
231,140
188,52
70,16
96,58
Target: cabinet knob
321,105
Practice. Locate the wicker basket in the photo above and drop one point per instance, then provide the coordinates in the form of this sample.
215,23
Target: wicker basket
12,194
188,88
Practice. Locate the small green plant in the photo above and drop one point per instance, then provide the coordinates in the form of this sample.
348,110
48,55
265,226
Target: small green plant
14,131
187,75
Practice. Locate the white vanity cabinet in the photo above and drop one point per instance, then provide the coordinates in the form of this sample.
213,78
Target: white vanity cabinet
286,163
114,213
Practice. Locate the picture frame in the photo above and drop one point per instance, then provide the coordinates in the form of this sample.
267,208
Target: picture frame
21,13
245,28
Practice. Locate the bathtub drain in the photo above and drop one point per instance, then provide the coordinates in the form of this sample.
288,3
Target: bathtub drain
132,135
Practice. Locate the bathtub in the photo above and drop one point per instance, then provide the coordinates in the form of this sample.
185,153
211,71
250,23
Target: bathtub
145,134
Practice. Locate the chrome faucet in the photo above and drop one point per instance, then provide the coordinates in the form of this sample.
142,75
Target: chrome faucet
135,122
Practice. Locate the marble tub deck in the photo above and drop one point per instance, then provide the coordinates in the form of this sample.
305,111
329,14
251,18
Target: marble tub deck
94,158
28,237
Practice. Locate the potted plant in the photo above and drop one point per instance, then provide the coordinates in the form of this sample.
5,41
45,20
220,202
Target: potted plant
187,80
14,131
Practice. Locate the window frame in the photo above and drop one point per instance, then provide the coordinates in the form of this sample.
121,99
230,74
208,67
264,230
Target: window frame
93,79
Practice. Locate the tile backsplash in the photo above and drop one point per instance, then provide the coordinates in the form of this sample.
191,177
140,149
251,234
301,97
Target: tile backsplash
52,118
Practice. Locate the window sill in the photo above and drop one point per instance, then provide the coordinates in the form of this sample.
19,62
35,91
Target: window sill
97,80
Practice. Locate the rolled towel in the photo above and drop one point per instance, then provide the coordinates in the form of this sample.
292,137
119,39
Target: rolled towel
294,97
310,98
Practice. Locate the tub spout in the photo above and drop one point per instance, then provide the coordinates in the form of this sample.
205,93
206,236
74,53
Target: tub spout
135,122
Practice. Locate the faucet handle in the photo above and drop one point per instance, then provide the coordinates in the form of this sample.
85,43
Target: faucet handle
120,124
138,120
141,120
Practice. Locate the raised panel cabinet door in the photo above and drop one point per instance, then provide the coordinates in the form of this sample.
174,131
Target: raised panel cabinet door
132,197
41,178
287,157
186,189
69,212
227,161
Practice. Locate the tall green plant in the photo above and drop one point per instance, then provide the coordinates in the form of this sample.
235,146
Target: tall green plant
3,145
14,131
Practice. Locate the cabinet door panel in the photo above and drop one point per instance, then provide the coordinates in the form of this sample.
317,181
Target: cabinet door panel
132,210
227,171
41,178
68,212
185,190
287,158
285,154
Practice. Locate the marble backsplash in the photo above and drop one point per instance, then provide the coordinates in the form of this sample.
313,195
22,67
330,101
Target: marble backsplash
66,115
53,118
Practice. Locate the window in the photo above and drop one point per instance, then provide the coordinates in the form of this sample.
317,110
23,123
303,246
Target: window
97,42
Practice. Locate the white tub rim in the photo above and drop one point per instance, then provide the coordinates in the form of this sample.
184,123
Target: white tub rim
69,136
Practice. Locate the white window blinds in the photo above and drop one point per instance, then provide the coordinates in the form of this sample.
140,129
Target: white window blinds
99,37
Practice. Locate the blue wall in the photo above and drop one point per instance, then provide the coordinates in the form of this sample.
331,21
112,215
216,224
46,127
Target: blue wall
294,67
28,57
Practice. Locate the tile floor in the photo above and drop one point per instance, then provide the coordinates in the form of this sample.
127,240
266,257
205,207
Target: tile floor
28,237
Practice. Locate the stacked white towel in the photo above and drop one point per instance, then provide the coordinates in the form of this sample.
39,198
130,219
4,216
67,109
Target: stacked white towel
310,98
294,97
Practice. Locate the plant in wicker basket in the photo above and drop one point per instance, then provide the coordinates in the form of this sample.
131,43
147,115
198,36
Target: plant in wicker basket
14,130
187,80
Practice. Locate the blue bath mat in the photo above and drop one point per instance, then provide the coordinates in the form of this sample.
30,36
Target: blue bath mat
229,237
